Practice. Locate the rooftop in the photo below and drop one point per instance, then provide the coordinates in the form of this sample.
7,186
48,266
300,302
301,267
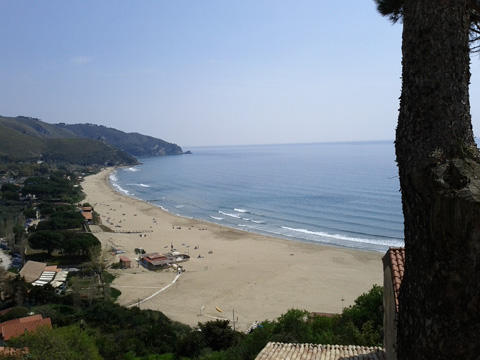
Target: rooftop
32,270
396,257
281,351
17,327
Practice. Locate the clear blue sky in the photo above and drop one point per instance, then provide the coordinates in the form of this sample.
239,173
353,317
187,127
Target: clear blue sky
206,72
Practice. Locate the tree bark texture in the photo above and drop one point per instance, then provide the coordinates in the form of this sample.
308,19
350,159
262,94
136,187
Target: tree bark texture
438,160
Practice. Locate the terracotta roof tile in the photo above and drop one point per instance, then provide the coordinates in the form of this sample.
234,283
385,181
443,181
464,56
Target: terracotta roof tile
10,330
281,351
51,268
396,255
22,320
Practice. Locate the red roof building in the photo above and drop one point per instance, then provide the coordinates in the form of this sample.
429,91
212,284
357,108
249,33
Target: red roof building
155,261
17,327
125,261
87,212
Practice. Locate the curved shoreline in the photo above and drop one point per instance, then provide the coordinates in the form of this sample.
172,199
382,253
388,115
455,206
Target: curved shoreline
258,276
352,243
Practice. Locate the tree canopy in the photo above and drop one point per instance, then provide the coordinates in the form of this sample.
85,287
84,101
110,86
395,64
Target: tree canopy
394,10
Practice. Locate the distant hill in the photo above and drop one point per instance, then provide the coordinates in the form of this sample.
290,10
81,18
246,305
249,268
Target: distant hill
133,143
30,139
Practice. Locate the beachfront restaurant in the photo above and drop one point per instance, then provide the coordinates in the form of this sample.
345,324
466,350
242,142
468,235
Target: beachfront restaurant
157,261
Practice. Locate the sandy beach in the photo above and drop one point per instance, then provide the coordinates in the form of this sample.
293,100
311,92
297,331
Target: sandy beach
249,277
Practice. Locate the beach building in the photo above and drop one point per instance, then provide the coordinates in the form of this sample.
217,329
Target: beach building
157,261
18,327
39,274
393,270
32,270
282,351
87,212
125,262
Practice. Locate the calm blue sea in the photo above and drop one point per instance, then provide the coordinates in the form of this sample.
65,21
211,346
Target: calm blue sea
343,194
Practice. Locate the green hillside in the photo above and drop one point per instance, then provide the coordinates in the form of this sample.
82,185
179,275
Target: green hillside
35,127
30,140
133,143
17,144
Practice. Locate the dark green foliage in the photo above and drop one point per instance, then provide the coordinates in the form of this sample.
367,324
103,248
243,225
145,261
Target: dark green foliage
293,327
61,314
18,232
45,240
191,344
10,215
9,192
114,293
62,221
52,187
10,187
253,343
9,196
68,342
143,331
393,9
107,277
46,209
30,213
367,313
75,243
38,295
117,265
218,335
15,313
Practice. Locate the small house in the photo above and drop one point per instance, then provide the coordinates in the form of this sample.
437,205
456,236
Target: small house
125,262
87,212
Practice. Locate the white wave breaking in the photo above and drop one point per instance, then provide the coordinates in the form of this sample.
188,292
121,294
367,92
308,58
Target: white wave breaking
311,235
122,190
258,221
141,185
231,215
216,218
114,182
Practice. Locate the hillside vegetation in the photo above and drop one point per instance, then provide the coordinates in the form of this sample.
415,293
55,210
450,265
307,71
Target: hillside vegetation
133,143
29,139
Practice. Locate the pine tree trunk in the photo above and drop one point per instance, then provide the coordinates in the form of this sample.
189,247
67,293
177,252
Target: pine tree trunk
439,316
